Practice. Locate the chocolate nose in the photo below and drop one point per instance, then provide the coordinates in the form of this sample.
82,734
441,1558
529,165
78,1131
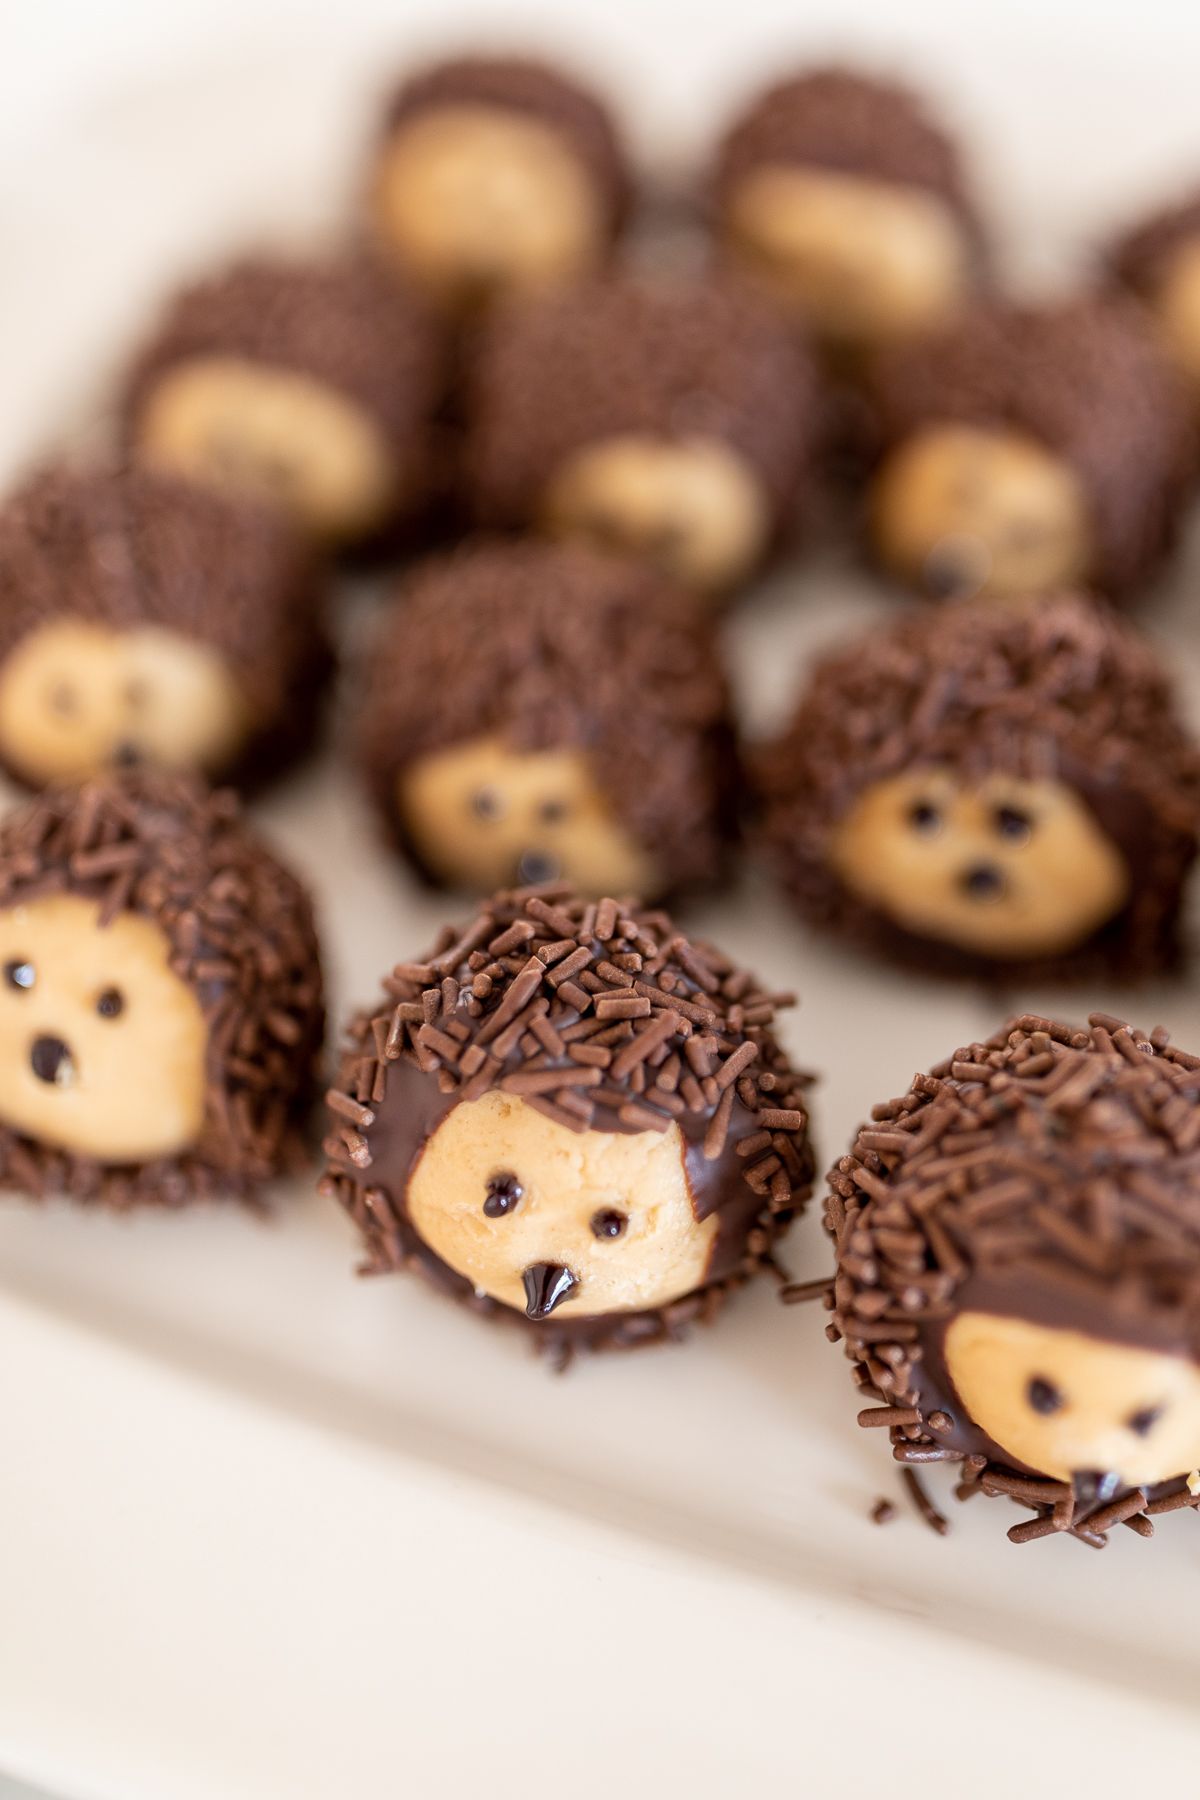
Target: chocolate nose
1093,1487
126,754
982,881
547,1285
535,866
954,568
51,1060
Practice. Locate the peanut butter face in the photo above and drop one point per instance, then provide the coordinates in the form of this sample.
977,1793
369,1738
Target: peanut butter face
692,506
1071,1405
483,816
958,510
1007,868
538,1216
475,201
102,1045
1178,309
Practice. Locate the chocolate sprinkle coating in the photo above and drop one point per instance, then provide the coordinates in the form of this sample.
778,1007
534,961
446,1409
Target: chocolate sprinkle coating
1060,1160
630,353
553,646
1087,379
345,323
126,546
644,1029
1060,689
241,935
524,85
849,122
1140,256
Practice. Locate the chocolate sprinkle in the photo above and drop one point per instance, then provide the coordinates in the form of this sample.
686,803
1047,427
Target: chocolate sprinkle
415,1059
241,934
1052,1162
1062,690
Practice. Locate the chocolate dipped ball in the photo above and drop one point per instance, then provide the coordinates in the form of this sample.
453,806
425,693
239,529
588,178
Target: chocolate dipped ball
1018,1273
537,711
1030,448
160,996
569,1114
308,386
670,418
1158,261
143,619
849,204
496,175
982,788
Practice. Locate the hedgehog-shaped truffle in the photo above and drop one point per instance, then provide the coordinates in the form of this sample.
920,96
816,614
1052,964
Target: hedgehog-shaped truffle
160,996
843,197
310,386
1158,260
1018,1273
146,620
539,711
1030,448
496,175
984,787
569,1109
672,418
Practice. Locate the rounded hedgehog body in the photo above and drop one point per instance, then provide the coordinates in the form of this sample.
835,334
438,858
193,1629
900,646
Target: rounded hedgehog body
568,1109
160,997
1018,1276
1030,448
145,620
670,418
311,387
536,712
493,176
991,788
848,203
1158,261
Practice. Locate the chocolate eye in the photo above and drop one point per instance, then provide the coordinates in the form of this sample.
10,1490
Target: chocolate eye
503,1193
20,974
1142,1423
924,817
111,1003
553,812
1011,823
485,803
610,1223
1043,1396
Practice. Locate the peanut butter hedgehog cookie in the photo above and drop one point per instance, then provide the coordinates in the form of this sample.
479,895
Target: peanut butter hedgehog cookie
535,712
311,386
984,788
494,175
1030,448
1018,1274
569,1109
672,418
1158,261
146,620
160,997
848,202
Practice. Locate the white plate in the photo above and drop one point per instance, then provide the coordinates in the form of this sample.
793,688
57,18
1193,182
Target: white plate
265,1529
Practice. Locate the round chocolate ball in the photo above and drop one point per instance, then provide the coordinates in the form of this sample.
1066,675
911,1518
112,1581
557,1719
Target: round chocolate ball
570,1115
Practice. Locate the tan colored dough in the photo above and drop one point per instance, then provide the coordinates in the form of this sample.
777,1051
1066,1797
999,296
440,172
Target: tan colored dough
1102,1386
132,1086
76,697
1178,308
693,506
276,435
863,262
1058,883
476,809
475,200
568,1178
962,510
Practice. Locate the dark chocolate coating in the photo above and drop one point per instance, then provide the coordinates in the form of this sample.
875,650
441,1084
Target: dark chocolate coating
398,1081
126,546
241,933
631,354
1062,689
1085,378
